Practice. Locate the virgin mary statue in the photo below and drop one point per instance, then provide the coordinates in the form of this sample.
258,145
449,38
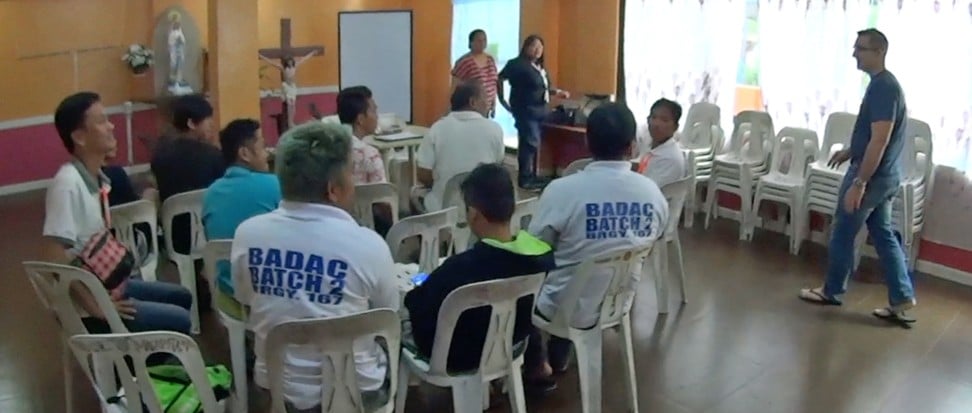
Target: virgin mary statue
177,56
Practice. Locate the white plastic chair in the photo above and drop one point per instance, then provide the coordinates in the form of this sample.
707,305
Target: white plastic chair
366,196
702,138
524,211
215,252
334,338
786,184
615,309
138,390
908,207
498,360
186,203
675,194
52,283
739,170
576,166
428,228
837,135
124,217
452,197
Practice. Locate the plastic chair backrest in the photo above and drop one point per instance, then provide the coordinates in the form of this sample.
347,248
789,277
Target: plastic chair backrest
427,227
915,131
123,220
501,295
452,196
675,193
215,252
755,138
366,196
137,347
242,283
838,131
701,130
799,147
524,211
576,166
331,120
334,338
621,266
52,283
185,203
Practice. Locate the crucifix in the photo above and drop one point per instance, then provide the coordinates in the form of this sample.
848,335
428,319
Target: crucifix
288,71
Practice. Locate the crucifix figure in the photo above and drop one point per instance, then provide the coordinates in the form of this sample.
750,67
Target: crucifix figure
288,69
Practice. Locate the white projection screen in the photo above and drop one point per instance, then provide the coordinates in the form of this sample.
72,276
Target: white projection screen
375,50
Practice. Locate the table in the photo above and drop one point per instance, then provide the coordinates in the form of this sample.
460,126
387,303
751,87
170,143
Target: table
559,146
386,148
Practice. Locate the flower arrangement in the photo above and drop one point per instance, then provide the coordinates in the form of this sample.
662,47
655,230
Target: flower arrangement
139,58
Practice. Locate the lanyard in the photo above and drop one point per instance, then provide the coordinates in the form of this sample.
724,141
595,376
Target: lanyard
105,212
643,163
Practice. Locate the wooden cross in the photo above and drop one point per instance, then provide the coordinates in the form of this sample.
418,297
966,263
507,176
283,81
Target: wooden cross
285,49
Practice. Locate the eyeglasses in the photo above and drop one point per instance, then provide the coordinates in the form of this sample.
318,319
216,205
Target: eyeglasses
864,49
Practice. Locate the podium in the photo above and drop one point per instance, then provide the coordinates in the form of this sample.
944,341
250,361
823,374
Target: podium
559,146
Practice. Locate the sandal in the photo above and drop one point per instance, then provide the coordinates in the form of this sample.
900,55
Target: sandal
816,296
895,315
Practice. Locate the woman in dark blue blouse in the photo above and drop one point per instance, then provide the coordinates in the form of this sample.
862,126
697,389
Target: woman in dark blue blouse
530,90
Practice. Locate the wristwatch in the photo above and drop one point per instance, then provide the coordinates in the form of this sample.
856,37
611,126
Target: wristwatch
860,183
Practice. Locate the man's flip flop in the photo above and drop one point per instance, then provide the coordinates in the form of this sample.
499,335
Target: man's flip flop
814,295
899,319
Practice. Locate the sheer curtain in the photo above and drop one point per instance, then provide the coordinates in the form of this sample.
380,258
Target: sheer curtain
501,21
806,68
930,52
684,51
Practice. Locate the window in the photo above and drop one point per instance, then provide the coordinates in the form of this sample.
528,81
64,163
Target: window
501,21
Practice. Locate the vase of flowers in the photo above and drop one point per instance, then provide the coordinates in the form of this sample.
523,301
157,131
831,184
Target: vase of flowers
139,58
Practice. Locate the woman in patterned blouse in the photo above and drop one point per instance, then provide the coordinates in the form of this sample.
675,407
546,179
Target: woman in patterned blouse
478,65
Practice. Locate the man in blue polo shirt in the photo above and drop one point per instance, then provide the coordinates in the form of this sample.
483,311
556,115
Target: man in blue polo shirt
246,190
870,186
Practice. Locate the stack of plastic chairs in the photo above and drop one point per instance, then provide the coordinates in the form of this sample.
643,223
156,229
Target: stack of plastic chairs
917,171
703,138
785,184
738,170
823,182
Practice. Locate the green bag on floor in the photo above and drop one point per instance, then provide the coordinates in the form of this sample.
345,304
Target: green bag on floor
176,392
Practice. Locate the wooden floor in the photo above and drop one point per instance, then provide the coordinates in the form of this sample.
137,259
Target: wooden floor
744,343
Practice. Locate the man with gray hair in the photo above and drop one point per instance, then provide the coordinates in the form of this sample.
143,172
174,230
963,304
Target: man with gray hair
456,144
310,259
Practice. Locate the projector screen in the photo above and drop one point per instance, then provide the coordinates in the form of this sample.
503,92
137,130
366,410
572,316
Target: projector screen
375,50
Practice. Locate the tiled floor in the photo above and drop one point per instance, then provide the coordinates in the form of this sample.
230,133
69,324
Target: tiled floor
743,344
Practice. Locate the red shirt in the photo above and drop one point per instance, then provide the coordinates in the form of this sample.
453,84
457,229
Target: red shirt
467,69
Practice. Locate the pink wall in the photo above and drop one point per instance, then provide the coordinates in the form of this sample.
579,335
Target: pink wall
37,151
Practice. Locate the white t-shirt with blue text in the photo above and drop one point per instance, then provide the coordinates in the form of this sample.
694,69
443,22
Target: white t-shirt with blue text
602,209
312,261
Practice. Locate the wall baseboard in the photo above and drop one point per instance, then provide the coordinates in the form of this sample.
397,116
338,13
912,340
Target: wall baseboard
138,107
943,272
43,183
48,119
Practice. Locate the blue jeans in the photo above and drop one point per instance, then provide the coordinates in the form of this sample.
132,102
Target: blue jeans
875,211
159,306
528,144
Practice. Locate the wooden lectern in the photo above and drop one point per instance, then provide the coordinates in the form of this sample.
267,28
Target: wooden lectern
559,146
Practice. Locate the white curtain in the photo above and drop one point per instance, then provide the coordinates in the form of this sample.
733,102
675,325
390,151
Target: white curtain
501,21
806,66
930,52
684,51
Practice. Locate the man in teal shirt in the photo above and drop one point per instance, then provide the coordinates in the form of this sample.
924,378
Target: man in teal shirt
246,190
